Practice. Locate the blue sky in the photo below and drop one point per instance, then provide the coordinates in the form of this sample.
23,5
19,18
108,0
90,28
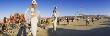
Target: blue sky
65,7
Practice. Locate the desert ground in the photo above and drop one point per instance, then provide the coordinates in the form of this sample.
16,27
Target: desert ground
76,28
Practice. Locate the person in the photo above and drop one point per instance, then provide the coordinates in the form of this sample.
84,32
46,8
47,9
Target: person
12,19
5,19
58,21
22,29
92,19
22,19
67,20
87,21
72,19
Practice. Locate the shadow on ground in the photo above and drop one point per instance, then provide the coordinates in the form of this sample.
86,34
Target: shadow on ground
105,31
106,23
84,25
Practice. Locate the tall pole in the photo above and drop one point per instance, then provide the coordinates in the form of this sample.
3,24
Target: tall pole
54,18
34,18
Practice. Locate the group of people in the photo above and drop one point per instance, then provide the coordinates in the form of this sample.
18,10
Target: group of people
88,20
16,18
10,23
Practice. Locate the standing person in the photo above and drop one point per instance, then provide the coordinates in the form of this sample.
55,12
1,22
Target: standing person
87,21
54,18
92,19
67,20
4,19
58,21
72,19
22,30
